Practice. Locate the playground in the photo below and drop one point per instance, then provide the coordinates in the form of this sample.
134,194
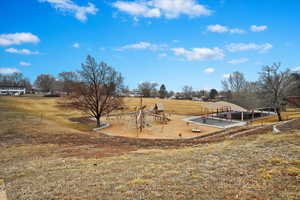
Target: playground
152,121
142,120
175,128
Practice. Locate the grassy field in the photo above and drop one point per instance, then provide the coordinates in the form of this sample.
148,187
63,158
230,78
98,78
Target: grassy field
290,113
43,159
48,108
44,108
185,107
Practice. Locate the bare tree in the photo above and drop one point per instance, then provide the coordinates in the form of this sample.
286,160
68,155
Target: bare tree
242,92
97,92
295,90
68,80
225,85
148,89
187,92
15,79
45,82
170,93
125,91
250,96
274,85
235,83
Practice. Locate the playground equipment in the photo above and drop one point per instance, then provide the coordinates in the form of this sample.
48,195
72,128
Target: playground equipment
159,114
142,116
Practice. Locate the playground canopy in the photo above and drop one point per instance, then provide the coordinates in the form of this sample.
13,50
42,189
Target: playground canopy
223,104
158,107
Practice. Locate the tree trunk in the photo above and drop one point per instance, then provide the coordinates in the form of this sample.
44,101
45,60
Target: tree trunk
98,121
278,114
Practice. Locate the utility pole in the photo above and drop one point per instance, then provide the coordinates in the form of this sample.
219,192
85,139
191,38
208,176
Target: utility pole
141,113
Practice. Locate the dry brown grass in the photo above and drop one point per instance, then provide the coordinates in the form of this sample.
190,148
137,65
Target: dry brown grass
185,107
46,160
291,113
48,108
45,108
216,171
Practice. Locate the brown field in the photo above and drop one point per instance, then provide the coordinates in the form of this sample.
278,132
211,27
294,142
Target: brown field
44,108
291,113
184,107
46,159
48,108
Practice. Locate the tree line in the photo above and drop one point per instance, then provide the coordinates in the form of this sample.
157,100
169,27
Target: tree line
150,89
15,80
96,88
270,90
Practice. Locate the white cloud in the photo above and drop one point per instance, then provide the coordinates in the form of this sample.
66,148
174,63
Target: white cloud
137,9
234,47
25,64
200,53
217,28
238,61
8,70
76,45
163,55
68,6
226,75
167,8
17,39
143,46
21,51
255,28
296,69
237,30
140,45
209,70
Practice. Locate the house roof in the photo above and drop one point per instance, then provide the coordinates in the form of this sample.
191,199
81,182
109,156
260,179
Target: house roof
6,86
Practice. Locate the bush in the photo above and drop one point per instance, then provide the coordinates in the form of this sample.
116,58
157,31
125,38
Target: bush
52,95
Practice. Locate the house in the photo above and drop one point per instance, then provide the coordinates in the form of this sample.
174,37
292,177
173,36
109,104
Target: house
12,90
196,99
294,100
221,98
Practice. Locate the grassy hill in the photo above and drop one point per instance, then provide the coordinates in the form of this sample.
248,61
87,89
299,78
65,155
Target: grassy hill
48,108
43,159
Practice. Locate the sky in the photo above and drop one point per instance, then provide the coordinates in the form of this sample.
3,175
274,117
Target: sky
172,42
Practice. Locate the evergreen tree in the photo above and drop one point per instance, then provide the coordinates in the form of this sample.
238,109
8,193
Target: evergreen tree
162,91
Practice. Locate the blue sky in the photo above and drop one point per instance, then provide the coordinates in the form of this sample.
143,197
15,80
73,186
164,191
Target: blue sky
175,42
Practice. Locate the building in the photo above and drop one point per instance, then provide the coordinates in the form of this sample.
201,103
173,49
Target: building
12,90
294,100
